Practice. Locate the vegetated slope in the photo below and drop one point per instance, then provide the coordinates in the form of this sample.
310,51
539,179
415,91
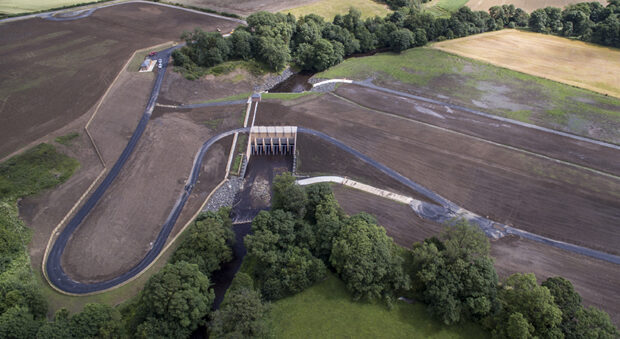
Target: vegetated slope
526,5
572,62
491,89
37,169
56,71
326,310
329,8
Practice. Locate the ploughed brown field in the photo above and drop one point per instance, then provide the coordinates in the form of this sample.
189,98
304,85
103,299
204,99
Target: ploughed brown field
54,72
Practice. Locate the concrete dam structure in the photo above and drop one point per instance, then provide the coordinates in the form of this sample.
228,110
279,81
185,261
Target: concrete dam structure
272,140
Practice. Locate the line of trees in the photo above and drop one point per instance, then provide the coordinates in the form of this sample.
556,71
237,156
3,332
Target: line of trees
587,21
313,44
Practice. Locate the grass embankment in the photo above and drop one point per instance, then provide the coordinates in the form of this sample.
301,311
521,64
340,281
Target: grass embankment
326,310
239,151
491,89
444,8
67,139
329,8
253,68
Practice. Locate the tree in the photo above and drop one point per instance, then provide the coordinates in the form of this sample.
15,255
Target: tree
284,265
578,322
17,322
367,261
521,294
329,219
518,327
455,275
242,44
288,196
208,242
60,328
174,302
96,320
241,317
594,323
401,40
539,21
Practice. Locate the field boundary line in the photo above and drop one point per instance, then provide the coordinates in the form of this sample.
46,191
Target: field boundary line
564,162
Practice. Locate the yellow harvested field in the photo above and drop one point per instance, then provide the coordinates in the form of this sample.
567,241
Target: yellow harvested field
329,8
526,5
576,63
23,6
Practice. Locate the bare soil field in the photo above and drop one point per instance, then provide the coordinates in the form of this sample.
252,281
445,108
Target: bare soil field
510,186
56,71
177,90
526,5
568,61
119,231
246,7
399,220
597,281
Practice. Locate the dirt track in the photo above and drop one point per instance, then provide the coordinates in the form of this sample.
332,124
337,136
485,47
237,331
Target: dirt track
512,187
56,71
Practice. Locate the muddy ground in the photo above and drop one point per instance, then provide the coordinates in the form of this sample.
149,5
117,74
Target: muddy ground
246,7
399,220
54,72
529,192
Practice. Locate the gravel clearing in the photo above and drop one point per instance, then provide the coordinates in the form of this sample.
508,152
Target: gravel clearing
225,195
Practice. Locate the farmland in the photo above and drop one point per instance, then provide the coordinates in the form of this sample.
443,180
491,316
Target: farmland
47,62
526,5
572,62
328,9
20,6
246,7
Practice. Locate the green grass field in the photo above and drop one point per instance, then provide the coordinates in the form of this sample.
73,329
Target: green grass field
329,8
443,8
491,89
26,6
327,311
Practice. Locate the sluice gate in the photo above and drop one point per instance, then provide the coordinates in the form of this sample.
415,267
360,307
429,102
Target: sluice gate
272,140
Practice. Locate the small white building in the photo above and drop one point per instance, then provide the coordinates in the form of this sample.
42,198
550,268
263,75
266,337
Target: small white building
147,65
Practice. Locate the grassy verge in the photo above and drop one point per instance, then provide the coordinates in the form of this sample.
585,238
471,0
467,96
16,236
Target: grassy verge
67,139
195,72
329,8
444,8
235,97
491,89
326,310
239,150
287,96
